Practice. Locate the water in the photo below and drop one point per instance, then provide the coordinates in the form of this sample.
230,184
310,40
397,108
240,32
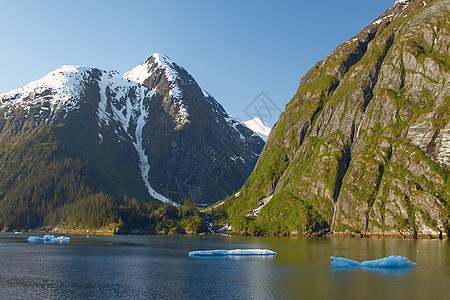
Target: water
158,267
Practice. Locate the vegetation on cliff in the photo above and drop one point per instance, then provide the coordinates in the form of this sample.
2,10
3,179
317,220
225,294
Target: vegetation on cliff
365,137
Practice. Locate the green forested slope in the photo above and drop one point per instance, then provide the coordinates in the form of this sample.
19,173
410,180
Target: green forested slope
363,146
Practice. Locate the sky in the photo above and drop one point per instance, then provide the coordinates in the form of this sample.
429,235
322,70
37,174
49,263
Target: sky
238,51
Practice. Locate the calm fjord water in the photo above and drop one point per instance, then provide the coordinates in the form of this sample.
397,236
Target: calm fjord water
158,267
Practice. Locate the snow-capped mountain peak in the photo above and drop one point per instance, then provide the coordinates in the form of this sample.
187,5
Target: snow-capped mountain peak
163,61
258,126
150,66
149,73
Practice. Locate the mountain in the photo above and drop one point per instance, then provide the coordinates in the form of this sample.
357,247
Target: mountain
363,146
259,127
195,148
81,132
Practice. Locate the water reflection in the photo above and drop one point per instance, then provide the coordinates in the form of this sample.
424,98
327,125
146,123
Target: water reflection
158,267
237,257
390,271
387,271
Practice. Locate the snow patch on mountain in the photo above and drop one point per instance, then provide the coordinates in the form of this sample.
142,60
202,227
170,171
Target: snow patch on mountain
59,89
235,157
259,127
100,137
168,65
182,117
128,111
142,115
151,66
384,18
395,10
113,86
235,124
205,93
103,103
215,105
138,73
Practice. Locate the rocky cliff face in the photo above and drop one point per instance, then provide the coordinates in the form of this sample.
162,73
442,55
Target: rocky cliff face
363,146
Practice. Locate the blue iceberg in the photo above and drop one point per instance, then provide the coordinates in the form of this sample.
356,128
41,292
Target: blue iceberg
235,252
48,238
386,262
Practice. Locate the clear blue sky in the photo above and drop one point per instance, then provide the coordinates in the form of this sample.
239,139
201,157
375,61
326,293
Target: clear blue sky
234,49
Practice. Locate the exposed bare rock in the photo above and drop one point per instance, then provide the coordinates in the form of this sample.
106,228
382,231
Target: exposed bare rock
367,134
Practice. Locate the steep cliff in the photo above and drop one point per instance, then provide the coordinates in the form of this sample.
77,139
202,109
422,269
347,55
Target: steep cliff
364,144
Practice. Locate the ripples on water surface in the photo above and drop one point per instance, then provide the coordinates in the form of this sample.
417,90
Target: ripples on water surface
158,267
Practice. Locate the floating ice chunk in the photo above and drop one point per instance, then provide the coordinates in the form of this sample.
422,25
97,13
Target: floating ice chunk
235,252
386,262
48,238
342,263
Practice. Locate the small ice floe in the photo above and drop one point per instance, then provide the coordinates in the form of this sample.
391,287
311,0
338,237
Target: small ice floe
386,262
235,252
48,238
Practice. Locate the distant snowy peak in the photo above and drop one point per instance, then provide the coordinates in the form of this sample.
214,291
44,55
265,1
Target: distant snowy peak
258,126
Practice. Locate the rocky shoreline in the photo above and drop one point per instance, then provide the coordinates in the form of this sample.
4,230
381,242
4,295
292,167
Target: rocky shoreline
109,231
341,234
442,236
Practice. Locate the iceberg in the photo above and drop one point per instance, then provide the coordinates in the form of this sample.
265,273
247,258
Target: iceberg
235,252
386,262
48,238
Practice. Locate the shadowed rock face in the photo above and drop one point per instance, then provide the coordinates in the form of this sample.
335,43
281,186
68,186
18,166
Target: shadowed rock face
366,136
